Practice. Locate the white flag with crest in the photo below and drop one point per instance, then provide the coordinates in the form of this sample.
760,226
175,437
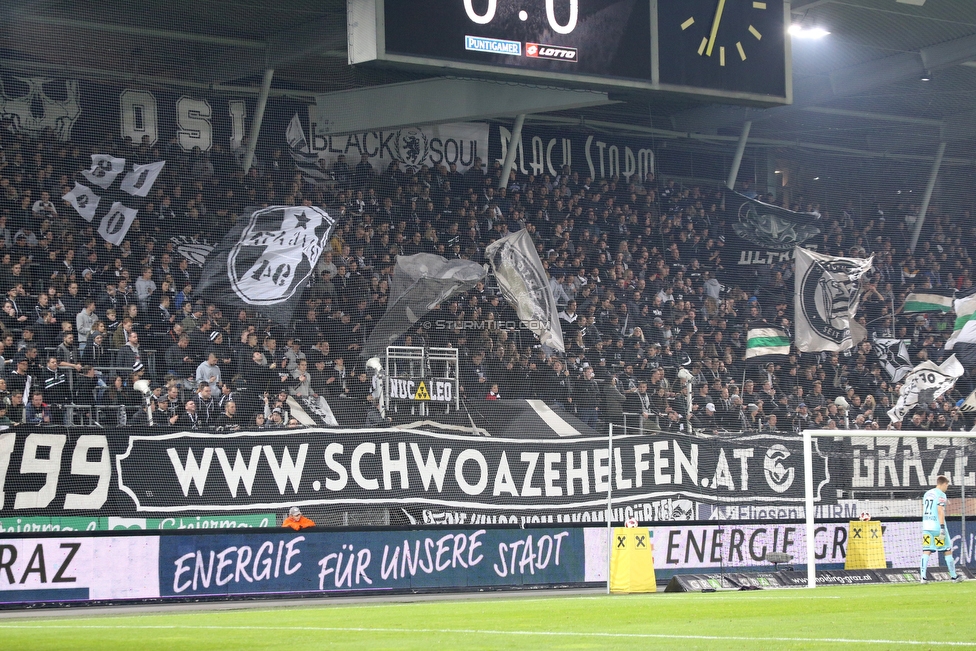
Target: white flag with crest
827,295
927,382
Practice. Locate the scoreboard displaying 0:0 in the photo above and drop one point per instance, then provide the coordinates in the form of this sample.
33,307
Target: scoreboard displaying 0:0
734,49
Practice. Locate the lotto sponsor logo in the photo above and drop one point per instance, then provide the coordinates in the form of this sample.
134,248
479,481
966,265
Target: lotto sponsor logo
492,45
540,51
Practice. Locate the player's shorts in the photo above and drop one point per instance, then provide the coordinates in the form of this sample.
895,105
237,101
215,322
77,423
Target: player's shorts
934,541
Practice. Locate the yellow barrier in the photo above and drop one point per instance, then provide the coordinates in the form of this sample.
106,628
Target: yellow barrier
865,546
632,560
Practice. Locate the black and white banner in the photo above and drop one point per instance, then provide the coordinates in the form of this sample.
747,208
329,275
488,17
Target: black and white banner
827,296
446,478
458,143
405,467
761,234
267,260
420,283
102,197
525,285
927,382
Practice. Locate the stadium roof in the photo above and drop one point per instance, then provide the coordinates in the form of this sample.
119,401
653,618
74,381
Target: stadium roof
860,88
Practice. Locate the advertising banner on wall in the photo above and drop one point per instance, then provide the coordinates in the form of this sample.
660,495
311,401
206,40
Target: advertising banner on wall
276,561
457,143
78,569
275,470
225,563
29,525
597,154
737,546
389,560
442,478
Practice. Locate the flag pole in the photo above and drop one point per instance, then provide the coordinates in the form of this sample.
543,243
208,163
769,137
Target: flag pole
609,502
964,546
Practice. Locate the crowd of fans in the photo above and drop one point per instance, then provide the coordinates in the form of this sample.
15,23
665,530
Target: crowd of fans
640,271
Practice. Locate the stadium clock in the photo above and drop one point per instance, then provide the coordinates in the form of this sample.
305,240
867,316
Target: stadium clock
737,46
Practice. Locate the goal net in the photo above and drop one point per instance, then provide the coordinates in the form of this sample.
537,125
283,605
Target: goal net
885,476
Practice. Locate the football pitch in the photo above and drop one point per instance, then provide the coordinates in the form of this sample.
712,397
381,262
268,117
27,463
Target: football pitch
869,617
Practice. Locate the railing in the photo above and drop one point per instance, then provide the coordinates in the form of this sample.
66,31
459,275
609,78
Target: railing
79,415
149,357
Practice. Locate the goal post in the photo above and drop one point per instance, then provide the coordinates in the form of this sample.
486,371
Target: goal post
909,439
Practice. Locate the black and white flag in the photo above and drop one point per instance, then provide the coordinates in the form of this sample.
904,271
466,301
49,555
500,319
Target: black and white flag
307,163
118,204
525,284
968,405
925,383
267,259
769,227
894,357
827,295
420,283
194,249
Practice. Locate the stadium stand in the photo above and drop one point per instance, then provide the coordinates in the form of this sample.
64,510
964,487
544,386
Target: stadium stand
635,269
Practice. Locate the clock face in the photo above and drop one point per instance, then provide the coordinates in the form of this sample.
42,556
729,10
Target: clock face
732,45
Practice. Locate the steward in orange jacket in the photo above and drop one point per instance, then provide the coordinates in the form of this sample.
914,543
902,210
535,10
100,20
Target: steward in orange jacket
296,520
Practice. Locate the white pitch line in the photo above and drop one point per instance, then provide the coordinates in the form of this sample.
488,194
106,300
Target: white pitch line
501,600
470,631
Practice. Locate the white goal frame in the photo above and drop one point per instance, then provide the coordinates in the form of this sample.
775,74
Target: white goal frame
808,488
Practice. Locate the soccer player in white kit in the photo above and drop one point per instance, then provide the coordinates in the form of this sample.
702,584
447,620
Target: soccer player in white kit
935,535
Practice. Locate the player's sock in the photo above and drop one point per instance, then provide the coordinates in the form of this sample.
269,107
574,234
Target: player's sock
925,565
951,565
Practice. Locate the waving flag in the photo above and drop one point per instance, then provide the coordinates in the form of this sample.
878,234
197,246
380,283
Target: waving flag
929,300
894,358
266,260
925,383
968,405
763,340
964,329
96,193
525,284
827,294
770,227
420,283
307,163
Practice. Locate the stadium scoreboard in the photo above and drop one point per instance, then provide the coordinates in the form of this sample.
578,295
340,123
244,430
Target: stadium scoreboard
737,50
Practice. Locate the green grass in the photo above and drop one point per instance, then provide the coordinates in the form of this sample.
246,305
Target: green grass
871,617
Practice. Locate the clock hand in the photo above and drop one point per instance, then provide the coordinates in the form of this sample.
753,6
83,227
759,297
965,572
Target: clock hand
715,23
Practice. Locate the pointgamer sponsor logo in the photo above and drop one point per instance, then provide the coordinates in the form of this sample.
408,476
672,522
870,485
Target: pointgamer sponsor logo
541,51
492,45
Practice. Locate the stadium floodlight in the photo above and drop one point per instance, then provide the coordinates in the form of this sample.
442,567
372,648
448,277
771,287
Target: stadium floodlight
937,446
811,33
